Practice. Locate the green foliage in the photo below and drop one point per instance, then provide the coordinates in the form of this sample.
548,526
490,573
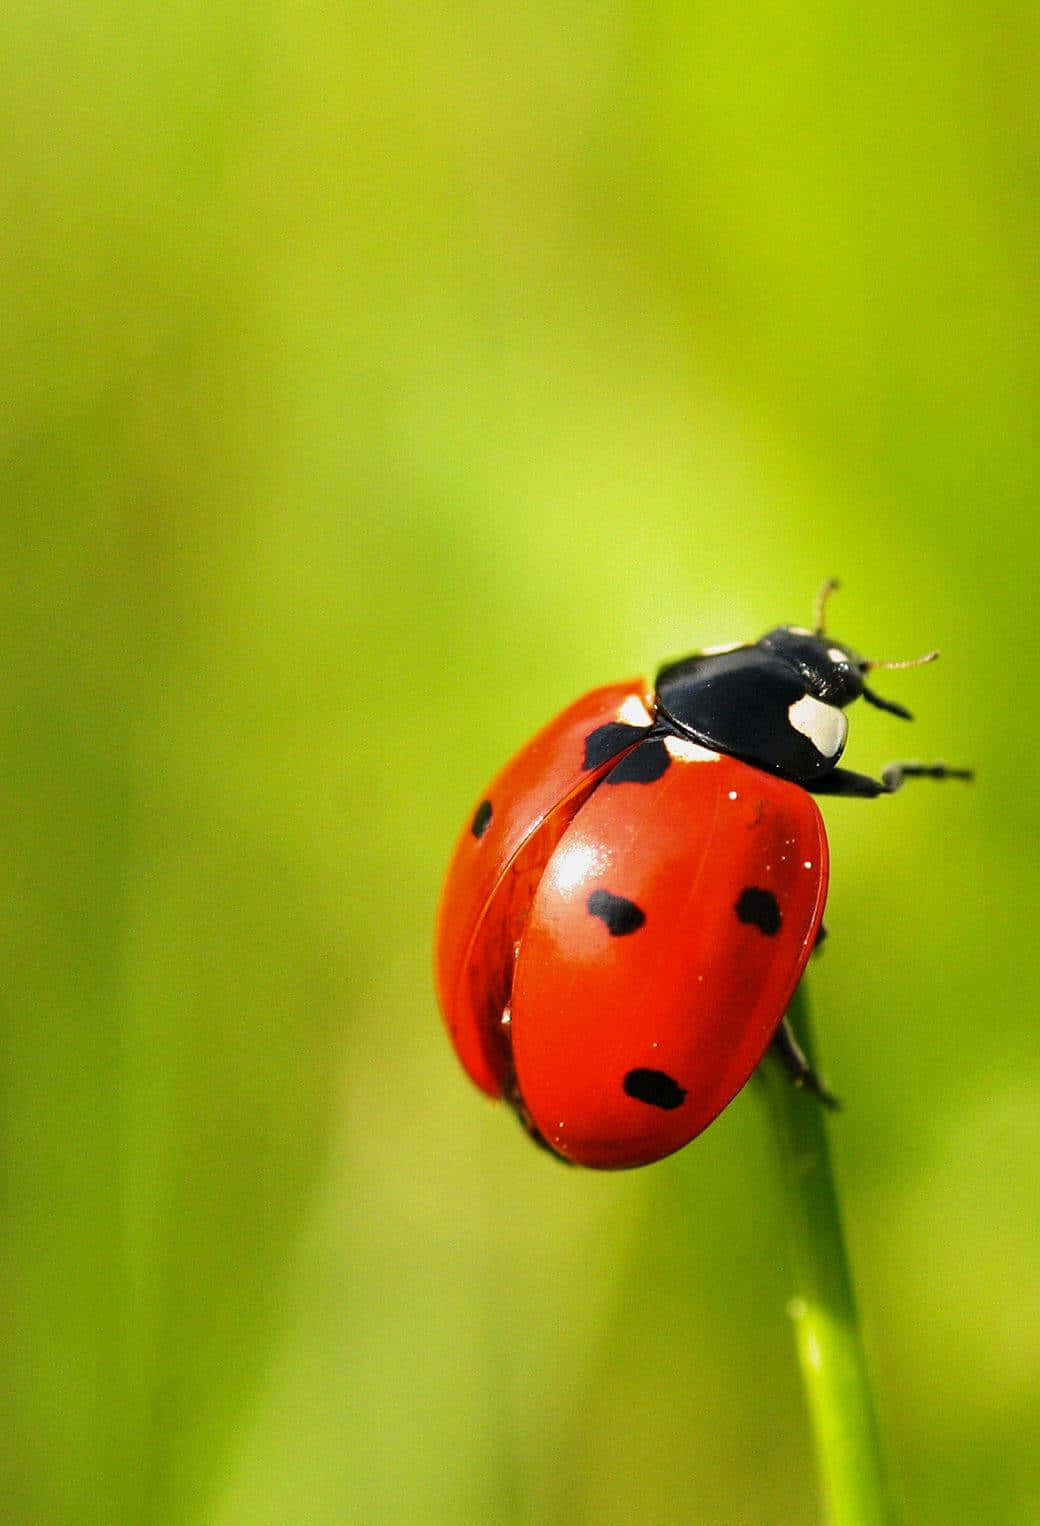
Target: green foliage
375,380
854,1489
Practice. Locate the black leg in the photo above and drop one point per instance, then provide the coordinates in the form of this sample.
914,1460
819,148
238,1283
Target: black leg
792,1057
842,781
896,773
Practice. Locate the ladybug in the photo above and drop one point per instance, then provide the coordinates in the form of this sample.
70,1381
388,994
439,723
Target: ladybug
633,901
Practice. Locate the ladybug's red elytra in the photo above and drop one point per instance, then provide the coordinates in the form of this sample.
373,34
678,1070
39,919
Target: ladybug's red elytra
631,904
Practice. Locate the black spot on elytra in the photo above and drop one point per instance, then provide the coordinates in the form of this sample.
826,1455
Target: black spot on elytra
482,819
607,741
655,1088
759,909
642,765
618,915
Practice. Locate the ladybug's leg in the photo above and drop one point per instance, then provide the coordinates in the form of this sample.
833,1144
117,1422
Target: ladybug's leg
842,781
896,773
821,933
792,1057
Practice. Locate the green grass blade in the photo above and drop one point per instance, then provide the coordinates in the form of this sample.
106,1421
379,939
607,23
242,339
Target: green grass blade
822,1305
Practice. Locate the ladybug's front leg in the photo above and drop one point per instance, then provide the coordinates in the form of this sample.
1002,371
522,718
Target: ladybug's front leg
842,781
793,1058
896,773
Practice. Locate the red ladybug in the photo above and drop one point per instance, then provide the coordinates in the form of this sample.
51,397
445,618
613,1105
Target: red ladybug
630,907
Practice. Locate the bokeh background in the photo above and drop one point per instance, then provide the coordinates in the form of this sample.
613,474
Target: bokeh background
375,379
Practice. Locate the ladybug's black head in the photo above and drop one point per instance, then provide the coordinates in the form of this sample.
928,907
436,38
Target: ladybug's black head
829,671
777,703
832,672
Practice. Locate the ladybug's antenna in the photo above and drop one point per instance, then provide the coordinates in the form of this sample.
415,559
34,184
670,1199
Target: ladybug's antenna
824,594
887,704
909,662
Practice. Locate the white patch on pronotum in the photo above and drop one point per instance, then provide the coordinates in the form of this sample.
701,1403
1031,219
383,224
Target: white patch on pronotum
633,712
689,752
836,654
825,726
721,649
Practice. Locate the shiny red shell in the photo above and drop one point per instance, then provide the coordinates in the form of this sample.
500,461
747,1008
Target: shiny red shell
494,872
617,946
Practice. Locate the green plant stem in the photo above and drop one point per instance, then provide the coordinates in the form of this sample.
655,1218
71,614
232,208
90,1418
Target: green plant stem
822,1306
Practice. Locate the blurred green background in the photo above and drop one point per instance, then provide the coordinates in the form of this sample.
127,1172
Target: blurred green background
375,380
